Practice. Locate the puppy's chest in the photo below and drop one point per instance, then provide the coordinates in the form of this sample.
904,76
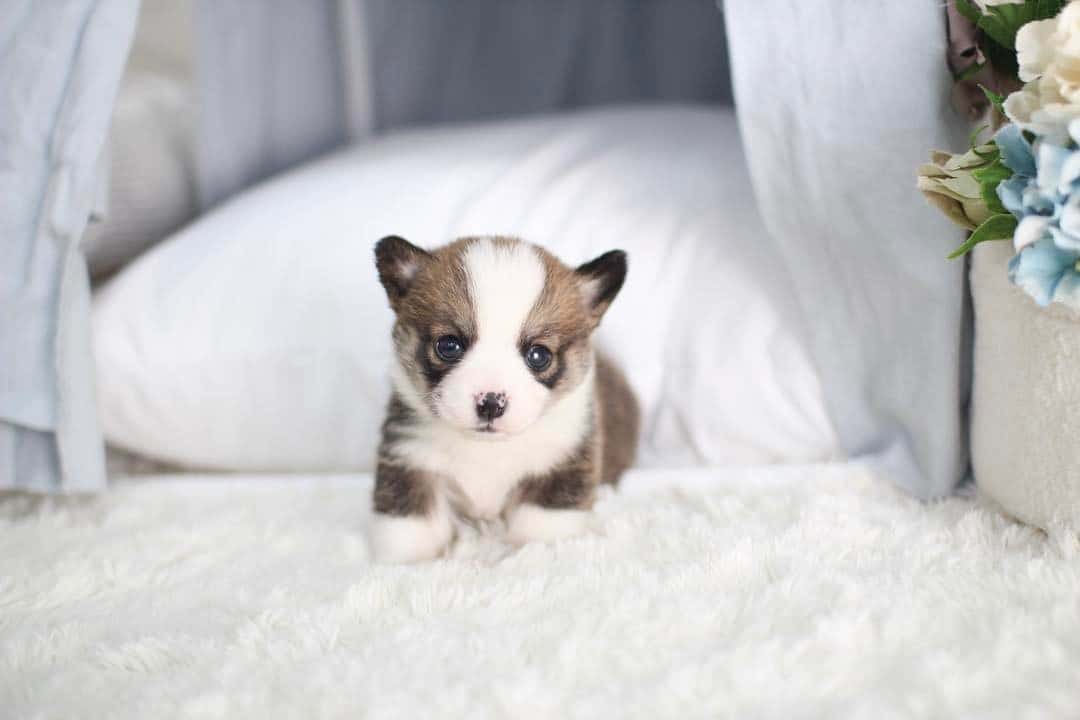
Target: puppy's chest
479,475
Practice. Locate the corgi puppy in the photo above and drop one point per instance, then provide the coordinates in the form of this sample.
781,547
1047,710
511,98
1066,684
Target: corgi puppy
501,409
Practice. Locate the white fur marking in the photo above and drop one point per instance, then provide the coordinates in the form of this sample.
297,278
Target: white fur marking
411,539
590,291
407,269
529,523
505,282
487,469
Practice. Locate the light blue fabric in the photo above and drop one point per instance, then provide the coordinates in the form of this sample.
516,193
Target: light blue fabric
60,65
838,103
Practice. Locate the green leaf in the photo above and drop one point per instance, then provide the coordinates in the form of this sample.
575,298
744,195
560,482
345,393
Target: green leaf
995,227
1011,16
993,203
993,173
990,155
998,101
1002,22
998,28
1019,13
973,138
1048,8
969,10
989,177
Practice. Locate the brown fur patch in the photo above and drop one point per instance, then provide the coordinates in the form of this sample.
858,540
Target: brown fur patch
605,453
619,420
570,485
438,297
435,303
399,490
559,321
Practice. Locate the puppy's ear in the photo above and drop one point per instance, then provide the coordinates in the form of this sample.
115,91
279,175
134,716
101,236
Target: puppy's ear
600,281
398,261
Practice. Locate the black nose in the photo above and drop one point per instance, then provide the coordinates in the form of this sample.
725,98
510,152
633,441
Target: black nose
491,406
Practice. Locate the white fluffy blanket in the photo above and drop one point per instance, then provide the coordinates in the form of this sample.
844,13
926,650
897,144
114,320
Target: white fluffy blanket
798,592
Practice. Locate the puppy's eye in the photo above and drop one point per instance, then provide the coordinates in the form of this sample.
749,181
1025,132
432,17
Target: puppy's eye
538,357
449,348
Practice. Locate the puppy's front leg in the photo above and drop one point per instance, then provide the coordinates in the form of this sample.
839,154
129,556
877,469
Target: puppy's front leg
553,506
411,521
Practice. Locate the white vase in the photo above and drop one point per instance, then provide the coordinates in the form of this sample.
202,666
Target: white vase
1025,427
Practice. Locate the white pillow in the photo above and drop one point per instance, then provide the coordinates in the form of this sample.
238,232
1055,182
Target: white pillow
258,338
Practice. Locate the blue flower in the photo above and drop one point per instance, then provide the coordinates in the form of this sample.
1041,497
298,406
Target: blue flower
1044,196
1046,273
1015,150
1011,194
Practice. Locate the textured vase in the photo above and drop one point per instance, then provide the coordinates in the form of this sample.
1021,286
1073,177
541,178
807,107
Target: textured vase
1025,431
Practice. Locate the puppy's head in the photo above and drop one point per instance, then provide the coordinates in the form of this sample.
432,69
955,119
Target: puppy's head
491,332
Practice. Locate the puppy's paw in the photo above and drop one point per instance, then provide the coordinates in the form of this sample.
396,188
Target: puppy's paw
528,523
409,539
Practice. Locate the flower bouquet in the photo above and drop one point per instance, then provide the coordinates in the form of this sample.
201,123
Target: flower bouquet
1023,184
1022,187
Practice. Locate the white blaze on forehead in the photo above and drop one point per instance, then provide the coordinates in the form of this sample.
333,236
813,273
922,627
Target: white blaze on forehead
505,281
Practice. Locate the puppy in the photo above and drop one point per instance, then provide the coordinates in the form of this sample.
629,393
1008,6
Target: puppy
500,406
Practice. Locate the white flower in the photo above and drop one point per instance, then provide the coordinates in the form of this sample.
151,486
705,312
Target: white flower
1064,67
1039,108
1048,52
1033,49
1030,230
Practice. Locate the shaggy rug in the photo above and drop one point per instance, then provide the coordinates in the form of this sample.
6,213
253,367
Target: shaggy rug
795,592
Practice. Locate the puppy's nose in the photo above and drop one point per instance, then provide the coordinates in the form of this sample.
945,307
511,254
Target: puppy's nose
491,405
